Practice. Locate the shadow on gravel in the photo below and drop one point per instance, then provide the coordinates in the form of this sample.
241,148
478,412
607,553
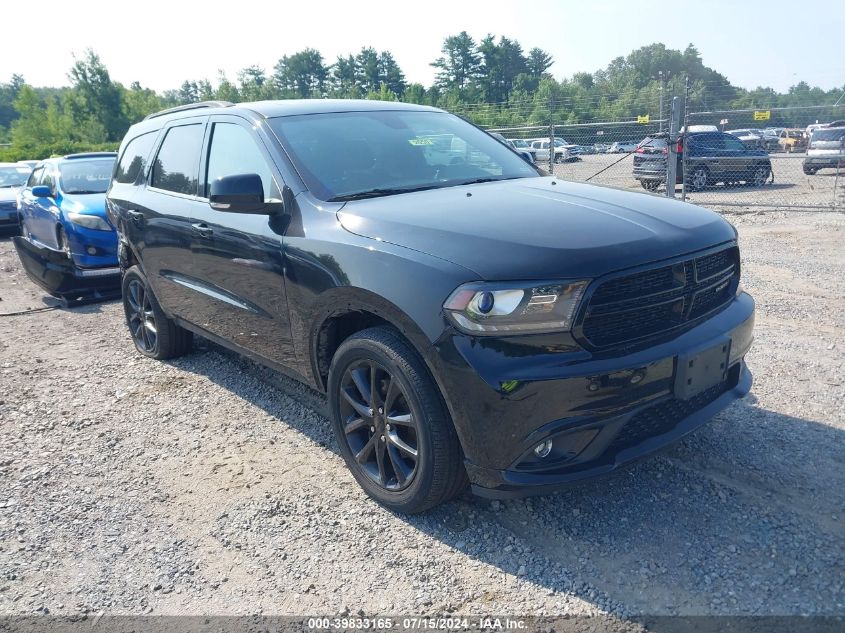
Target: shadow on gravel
744,517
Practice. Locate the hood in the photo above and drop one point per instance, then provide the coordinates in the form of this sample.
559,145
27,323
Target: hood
89,204
9,194
533,229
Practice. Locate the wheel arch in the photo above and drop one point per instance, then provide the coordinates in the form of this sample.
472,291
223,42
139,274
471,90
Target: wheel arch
345,311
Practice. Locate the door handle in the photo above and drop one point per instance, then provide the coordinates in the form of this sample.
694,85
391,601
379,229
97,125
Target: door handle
203,229
136,216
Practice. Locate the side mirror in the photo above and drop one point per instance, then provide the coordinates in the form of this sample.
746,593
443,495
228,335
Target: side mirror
42,191
240,193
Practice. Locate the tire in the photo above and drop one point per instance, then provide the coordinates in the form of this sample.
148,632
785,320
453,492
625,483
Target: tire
154,334
386,471
699,178
61,241
810,171
650,185
758,176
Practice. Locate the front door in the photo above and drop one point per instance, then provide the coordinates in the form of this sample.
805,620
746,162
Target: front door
237,257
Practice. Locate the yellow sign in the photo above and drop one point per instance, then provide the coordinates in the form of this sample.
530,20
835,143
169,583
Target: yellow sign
762,115
643,119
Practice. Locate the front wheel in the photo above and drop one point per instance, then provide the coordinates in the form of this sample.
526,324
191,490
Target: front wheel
810,171
391,424
154,334
699,178
759,175
650,185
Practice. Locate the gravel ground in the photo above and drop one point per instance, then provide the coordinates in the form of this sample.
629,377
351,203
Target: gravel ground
210,485
791,185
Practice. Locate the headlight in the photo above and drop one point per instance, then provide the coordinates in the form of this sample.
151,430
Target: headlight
89,221
516,308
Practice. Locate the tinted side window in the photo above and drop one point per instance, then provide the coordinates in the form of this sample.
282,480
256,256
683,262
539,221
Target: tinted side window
175,168
48,178
733,143
706,142
234,151
34,177
134,159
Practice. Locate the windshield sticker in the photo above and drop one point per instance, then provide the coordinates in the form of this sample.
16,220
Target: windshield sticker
420,141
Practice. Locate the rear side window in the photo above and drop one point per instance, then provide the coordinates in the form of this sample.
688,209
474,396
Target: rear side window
134,159
175,168
234,151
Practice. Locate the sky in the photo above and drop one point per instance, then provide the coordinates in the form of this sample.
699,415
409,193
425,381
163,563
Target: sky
160,43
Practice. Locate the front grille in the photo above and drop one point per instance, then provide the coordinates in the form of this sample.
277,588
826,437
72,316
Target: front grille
652,302
663,417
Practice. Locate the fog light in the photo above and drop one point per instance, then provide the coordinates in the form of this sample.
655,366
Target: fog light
543,449
91,250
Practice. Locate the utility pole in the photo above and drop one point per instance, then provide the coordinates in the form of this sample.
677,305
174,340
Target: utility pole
552,136
660,115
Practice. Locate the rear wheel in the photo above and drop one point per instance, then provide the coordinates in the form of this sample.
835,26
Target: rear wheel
154,334
650,185
810,171
391,423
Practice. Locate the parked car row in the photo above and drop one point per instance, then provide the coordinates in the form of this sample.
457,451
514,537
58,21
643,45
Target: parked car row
422,275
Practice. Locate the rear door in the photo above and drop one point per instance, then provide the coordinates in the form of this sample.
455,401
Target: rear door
161,215
238,257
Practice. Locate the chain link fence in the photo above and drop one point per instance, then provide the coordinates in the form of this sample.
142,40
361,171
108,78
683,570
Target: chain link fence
778,158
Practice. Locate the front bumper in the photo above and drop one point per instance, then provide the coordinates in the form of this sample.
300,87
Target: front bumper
820,162
59,276
601,411
8,217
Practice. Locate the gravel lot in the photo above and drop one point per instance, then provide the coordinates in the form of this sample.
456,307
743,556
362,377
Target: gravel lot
209,485
790,187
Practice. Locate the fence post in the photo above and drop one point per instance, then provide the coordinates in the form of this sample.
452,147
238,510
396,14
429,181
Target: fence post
684,143
551,136
672,147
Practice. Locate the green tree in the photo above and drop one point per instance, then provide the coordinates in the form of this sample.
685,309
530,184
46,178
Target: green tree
302,74
96,99
460,63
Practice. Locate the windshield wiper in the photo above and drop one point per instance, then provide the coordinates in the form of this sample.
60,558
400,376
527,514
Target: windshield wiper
83,192
9,186
379,192
478,181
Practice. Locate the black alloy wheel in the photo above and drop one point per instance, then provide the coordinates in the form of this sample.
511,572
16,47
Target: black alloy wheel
380,428
141,317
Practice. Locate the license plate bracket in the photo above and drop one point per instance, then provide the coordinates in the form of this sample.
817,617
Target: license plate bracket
702,369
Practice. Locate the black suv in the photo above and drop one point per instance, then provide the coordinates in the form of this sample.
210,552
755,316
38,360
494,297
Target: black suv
468,318
712,157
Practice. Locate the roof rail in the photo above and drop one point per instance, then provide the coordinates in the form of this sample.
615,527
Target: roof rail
90,155
190,106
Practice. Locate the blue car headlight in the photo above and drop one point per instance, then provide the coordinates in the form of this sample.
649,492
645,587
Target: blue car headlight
89,221
515,307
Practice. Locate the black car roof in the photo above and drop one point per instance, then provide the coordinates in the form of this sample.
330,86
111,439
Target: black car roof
272,109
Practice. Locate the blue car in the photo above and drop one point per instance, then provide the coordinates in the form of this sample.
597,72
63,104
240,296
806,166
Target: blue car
68,246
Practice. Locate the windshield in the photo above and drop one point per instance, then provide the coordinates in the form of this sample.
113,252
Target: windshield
829,135
348,155
518,142
86,176
13,176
